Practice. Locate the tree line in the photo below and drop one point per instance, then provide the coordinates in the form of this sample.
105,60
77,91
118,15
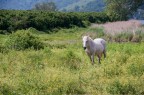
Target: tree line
116,9
11,20
122,9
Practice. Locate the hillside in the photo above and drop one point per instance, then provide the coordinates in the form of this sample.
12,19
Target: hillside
65,5
86,6
28,4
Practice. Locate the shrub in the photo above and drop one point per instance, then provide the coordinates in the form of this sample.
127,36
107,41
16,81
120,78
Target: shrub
33,30
72,60
23,39
86,23
118,88
136,69
75,87
41,20
3,49
113,70
3,32
6,90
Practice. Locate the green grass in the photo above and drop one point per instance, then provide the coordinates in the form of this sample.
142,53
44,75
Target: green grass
62,67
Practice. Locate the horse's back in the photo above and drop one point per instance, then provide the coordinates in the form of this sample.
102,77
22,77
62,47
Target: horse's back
101,44
100,41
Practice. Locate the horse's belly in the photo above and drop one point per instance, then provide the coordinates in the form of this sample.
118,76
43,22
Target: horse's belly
99,49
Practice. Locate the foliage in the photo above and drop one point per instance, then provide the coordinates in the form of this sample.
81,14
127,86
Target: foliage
72,60
48,6
22,39
118,88
85,6
122,9
58,71
42,20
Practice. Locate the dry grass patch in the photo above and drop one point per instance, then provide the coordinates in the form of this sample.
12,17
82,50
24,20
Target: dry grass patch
122,31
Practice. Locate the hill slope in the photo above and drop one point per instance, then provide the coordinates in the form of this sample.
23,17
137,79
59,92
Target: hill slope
65,5
86,5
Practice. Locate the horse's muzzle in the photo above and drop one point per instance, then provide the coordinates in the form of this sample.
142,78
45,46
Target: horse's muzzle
84,48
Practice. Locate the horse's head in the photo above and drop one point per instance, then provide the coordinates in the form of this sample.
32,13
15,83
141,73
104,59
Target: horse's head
85,40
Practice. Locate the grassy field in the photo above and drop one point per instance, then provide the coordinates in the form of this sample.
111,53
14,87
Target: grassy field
62,67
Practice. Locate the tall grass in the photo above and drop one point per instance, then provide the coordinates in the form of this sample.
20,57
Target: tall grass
56,71
122,31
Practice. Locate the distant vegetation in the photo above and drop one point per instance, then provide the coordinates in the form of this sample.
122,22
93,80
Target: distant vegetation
86,6
65,5
117,10
122,9
42,20
47,6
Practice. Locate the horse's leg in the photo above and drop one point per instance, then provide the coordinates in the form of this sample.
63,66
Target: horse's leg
99,58
89,56
92,57
104,52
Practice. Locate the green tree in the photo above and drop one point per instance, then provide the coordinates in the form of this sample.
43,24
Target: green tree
122,9
49,6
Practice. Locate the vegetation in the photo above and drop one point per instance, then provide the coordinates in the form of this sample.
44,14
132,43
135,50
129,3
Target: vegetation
23,39
42,20
85,6
122,9
48,6
40,56
62,67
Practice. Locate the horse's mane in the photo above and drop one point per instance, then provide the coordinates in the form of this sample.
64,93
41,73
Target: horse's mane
90,38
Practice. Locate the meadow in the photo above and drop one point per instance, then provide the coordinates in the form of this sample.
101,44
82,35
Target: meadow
62,67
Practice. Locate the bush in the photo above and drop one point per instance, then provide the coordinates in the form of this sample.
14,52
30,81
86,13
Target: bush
72,60
23,39
75,87
86,23
41,20
118,88
6,90
3,49
136,69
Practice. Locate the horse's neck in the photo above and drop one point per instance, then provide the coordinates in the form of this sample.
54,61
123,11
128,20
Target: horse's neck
91,40
91,43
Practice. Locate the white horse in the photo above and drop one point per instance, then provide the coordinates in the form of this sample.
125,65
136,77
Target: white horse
94,47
